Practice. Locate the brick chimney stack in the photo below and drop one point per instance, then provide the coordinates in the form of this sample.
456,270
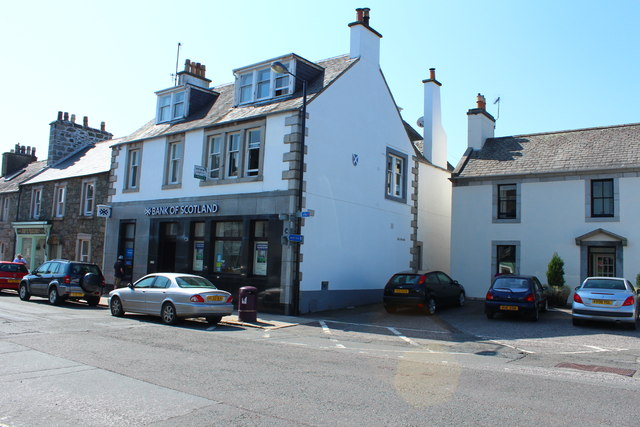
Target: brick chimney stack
67,137
17,159
194,74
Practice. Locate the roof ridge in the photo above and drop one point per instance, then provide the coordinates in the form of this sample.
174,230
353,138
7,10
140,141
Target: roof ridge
568,131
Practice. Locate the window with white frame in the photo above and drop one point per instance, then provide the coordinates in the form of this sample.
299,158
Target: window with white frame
233,155
214,153
262,83
133,169
5,208
396,176
36,202
59,195
88,198
253,144
173,171
171,106
84,248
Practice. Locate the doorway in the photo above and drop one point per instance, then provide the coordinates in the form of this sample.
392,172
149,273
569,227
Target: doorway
167,246
602,261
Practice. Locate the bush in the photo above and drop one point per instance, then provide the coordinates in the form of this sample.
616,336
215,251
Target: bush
638,281
555,271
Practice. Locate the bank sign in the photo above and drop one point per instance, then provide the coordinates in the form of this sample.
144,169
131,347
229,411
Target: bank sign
182,210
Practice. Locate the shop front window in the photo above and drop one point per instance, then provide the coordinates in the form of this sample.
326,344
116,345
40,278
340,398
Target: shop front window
260,248
228,247
198,246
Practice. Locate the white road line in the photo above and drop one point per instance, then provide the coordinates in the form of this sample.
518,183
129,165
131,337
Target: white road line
381,326
211,328
409,340
327,331
513,347
266,335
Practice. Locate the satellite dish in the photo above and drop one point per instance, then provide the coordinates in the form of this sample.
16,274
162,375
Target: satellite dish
420,122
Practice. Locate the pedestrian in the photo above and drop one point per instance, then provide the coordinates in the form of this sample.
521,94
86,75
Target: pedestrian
20,259
118,268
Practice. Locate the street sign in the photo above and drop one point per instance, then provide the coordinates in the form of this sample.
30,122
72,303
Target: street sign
305,214
297,238
199,172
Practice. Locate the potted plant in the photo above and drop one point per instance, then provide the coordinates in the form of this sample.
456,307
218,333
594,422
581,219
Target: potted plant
555,279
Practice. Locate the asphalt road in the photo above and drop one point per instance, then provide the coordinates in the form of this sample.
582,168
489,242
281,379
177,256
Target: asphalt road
75,365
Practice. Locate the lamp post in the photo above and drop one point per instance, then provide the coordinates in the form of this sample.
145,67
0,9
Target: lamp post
279,68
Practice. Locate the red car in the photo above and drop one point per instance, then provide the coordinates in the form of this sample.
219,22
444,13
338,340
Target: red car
11,273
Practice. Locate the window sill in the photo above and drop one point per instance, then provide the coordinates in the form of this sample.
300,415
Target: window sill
171,186
130,190
602,219
506,221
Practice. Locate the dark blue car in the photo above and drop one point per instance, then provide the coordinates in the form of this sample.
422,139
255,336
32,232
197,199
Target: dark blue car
517,295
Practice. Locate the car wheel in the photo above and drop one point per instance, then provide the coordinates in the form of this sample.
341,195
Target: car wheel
490,314
431,307
461,299
168,314
93,301
214,320
116,307
54,297
23,292
535,315
633,326
576,322
390,309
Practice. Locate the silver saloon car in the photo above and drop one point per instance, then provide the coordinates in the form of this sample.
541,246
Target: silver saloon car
172,296
611,299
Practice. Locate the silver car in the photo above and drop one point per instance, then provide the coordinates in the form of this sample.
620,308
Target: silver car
172,296
611,299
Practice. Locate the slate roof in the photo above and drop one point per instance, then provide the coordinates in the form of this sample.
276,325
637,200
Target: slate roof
88,161
11,183
565,152
224,111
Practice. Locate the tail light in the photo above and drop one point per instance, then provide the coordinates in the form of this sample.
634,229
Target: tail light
423,279
530,298
66,280
489,296
230,299
196,298
576,298
628,301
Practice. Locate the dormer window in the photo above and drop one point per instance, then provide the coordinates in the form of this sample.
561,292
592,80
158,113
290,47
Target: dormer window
261,83
171,107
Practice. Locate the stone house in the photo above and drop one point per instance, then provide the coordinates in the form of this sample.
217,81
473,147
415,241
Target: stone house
18,166
57,208
518,199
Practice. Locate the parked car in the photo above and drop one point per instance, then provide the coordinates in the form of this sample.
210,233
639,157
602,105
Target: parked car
60,280
11,273
172,296
426,290
611,299
519,294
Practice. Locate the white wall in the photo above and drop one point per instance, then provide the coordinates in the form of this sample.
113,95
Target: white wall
153,163
552,216
434,217
357,238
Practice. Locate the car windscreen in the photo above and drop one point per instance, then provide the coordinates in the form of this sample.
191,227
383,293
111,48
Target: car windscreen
194,282
514,284
13,268
604,284
405,279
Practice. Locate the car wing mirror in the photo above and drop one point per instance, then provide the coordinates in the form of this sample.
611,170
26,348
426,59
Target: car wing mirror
130,286
577,287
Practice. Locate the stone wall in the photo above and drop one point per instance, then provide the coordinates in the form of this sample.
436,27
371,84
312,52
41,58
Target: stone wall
67,137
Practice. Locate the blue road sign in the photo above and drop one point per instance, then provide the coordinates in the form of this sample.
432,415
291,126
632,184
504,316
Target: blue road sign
298,238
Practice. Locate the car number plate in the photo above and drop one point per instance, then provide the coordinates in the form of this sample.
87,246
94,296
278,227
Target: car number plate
76,294
509,307
601,301
13,280
401,291
215,298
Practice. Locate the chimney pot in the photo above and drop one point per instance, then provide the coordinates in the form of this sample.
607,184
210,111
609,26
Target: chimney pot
481,101
85,121
359,14
187,65
365,16
60,115
17,148
73,118
66,116
102,126
432,73
203,70
33,151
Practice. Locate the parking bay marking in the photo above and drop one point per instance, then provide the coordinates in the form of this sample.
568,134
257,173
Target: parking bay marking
409,340
327,331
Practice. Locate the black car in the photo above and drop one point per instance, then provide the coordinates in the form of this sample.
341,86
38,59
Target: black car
425,290
60,280
516,294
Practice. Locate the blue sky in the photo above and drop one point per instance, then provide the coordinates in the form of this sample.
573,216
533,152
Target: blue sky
555,65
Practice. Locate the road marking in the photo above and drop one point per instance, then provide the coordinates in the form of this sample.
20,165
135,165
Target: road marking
327,331
385,327
410,341
212,328
513,347
266,335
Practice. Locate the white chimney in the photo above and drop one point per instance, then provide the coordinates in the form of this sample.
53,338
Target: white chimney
365,41
435,138
481,124
194,73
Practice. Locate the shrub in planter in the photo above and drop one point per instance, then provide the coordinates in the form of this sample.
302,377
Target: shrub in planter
555,279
